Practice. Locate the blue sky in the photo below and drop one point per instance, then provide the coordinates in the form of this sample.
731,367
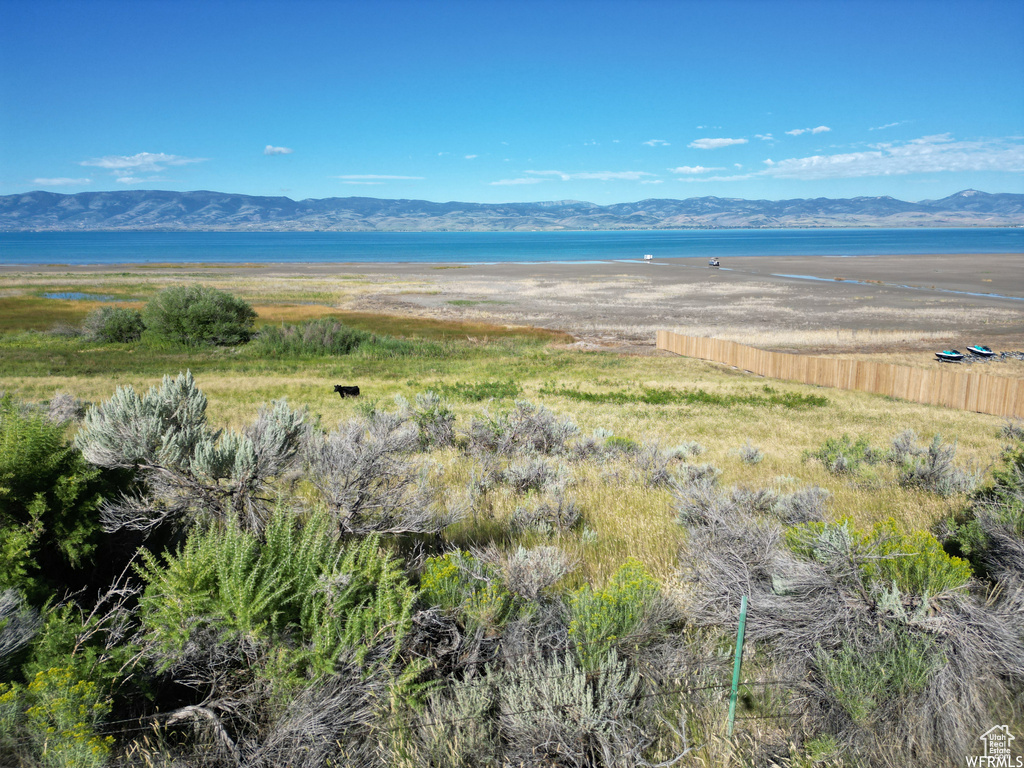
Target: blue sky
491,101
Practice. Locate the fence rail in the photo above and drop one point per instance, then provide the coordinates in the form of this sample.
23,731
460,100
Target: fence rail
967,391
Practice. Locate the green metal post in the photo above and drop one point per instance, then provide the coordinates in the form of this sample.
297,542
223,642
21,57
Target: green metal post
736,666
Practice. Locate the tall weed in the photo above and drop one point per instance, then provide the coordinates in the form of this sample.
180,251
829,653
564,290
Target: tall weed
315,338
604,618
462,583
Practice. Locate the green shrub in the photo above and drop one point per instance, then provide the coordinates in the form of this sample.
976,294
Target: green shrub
996,510
339,596
49,503
621,444
552,713
602,618
1007,489
114,325
895,664
750,454
573,715
325,336
914,562
459,582
56,716
1013,429
189,471
526,429
90,643
194,315
931,467
527,473
435,421
844,455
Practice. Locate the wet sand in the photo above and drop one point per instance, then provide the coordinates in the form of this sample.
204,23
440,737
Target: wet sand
802,303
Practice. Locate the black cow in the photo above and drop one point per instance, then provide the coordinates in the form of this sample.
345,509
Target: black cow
346,391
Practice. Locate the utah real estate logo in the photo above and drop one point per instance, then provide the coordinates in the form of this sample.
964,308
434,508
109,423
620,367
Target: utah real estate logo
997,742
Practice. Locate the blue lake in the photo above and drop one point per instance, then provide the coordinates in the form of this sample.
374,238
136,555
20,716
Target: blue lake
475,247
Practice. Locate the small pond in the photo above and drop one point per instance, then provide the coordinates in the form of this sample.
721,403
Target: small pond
77,296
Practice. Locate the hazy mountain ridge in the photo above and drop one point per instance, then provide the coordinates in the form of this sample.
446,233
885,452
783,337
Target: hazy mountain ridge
219,211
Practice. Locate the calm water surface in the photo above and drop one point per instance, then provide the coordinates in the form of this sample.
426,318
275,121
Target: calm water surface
475,247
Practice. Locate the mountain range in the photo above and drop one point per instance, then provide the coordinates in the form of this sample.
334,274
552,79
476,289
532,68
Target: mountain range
155,210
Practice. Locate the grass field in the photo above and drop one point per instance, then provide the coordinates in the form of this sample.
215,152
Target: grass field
622,516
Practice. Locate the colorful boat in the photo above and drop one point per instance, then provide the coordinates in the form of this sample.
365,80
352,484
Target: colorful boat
950,356
981,351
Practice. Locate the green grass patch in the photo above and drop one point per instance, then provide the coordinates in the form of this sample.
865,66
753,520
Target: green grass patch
480,391
658,396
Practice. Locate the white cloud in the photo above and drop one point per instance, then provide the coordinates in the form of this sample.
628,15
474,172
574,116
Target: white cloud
938,138
799,131
764,136
928,154
127,178
657,143
919,156
514,182
595,176
272,150
146,162
472,157
653,181
376,177
715,143
61,182
694,169
887,125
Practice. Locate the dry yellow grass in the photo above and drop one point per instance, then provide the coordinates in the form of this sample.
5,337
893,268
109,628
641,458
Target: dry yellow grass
625,517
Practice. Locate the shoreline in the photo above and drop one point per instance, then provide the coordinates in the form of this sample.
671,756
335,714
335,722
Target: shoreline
824,303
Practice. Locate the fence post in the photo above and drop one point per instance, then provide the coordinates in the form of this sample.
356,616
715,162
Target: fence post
736,665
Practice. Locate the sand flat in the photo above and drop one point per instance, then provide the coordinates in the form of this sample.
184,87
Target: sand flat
821,304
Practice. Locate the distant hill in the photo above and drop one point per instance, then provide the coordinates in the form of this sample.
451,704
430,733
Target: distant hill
219,211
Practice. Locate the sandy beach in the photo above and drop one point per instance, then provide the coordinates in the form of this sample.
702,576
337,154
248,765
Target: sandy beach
864,305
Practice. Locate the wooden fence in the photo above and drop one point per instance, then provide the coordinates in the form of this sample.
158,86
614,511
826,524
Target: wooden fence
955,389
